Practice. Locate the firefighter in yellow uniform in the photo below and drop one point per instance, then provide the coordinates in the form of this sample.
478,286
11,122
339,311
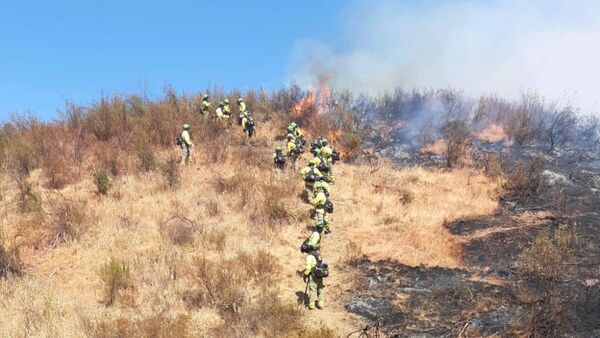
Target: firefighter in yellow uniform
186,145
315,284
310,180
318,202
291,149
326,153
226,108
205,106
220,113
242,108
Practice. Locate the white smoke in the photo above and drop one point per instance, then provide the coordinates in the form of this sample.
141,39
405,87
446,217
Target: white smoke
488,47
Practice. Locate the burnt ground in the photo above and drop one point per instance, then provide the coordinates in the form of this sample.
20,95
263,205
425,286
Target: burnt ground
493,295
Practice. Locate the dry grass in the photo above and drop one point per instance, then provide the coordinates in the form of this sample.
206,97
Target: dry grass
235,213
377,207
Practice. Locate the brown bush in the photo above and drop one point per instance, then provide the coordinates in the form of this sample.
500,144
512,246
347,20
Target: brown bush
545,263
352,253
155,326
524,182
9,260
224,284
172,173
108,159
457,135
67,221
29,199
181,231
58,172
145,156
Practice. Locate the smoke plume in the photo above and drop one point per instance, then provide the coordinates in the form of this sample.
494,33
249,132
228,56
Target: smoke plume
487,47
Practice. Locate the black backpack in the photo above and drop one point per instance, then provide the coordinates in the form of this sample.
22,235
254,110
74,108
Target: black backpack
280,159
250,127
321,270
335,156
304,247
323,167
311,177
179,141
329,206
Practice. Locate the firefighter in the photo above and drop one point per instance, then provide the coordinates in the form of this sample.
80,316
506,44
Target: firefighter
310,174
292,151
205,106
226,108
186,144
314,241
279,158
220,113
242,108
247,124
320,203
313,275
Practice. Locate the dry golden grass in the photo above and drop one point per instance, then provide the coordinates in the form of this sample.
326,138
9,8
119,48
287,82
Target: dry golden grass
232,210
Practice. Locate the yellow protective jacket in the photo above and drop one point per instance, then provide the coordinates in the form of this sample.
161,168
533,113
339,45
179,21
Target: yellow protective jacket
206,106
314,241
326,151
226,110
298,132
319,200
244,122
291,147
306,170
242,106
311,263
185,135
220,114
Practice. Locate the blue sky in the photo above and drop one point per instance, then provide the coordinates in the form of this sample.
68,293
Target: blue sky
56,50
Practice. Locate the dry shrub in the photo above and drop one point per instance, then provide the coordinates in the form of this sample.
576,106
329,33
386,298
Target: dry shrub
214,238
270,207
114,275
546,257
457,135
492,165
322,332
102,182
224,284
57,171
67,222
352,253
181,231
146,157
212,207
29,199
545,264
155,326
172,173
351,144
9,261
524,182
21,157
108,159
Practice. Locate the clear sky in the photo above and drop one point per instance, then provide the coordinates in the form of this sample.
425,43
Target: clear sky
56,50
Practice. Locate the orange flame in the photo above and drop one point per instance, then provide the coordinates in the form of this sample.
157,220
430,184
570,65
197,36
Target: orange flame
318,98
302,107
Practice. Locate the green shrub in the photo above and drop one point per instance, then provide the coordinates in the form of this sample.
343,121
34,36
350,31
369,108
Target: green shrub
102,182
114,275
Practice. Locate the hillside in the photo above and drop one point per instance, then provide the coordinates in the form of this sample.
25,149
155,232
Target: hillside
212,249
